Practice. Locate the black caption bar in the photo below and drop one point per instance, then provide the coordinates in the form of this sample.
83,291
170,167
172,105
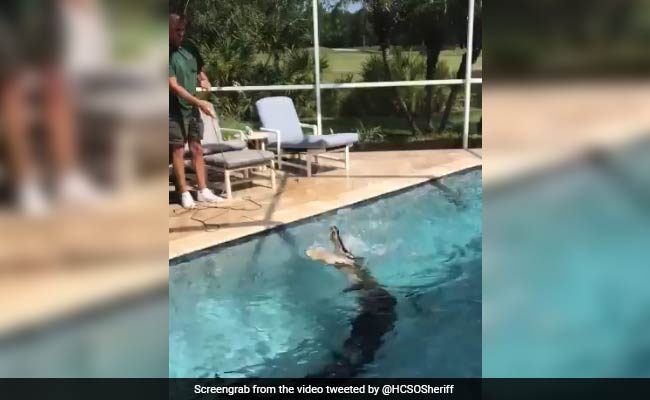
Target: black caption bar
336,389
305,389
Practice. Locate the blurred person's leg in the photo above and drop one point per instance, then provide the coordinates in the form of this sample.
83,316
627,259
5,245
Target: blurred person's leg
15,111
13,98
60,121
73,185
47,42
14,117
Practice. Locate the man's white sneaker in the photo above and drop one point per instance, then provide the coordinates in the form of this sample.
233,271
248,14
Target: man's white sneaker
187,201
207,196
32,200
74,188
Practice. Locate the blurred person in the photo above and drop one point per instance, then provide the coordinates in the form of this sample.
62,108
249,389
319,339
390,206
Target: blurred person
88,45
86,277
185,125
30,48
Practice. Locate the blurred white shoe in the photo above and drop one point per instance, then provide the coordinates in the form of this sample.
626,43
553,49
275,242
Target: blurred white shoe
187,201
31,199
207,196
76,189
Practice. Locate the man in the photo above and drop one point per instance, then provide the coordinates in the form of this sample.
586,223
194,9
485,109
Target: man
185,125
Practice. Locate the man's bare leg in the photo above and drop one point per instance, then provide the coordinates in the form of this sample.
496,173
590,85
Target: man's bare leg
178,165
199,163
205,194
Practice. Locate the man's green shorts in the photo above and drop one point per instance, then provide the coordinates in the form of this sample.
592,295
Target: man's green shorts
182,130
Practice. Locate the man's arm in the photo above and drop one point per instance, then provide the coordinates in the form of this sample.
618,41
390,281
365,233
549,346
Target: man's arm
180,91
204,82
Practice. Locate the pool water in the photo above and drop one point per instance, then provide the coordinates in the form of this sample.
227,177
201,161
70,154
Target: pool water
567,293
260,308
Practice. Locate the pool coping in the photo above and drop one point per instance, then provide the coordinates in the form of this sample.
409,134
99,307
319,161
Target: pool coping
190,256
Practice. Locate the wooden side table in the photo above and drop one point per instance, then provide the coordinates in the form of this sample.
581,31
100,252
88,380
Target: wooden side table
259,141
258,138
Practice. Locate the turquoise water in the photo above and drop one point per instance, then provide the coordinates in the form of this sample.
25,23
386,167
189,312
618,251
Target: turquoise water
567,293
260,308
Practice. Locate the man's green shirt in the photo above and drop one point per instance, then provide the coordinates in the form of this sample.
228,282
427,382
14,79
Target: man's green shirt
184,63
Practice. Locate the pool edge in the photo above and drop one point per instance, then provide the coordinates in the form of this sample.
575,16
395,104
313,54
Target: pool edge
192,255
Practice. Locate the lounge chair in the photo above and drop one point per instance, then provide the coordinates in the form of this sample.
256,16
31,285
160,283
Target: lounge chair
230,156
241,160
279,117
213,141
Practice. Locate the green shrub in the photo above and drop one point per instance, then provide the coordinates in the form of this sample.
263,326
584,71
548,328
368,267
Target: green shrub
294,67
332,100
404,66
373,134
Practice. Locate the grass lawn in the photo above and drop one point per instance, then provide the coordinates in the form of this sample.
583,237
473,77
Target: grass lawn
350,61
342,63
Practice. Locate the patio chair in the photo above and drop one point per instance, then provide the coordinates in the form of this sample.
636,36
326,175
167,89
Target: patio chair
241,160
279,118
213,141
228,156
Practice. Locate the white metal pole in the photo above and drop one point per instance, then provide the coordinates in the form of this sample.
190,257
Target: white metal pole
468,72
354,85
319,117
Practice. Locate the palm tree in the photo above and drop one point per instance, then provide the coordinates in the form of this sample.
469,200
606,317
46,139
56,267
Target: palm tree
459,19
384,16
429,23
284,26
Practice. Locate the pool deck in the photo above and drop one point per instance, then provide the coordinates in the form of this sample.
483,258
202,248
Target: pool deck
257,208
528,128
79,263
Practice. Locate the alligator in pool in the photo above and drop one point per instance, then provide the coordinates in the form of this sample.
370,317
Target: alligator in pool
376,316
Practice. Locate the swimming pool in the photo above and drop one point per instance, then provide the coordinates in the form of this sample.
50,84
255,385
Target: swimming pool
568,262
261,308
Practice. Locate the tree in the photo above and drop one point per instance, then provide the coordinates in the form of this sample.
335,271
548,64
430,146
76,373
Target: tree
333,26
429,22
252,42
285,26
231,35
384,16
340,27
459,13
